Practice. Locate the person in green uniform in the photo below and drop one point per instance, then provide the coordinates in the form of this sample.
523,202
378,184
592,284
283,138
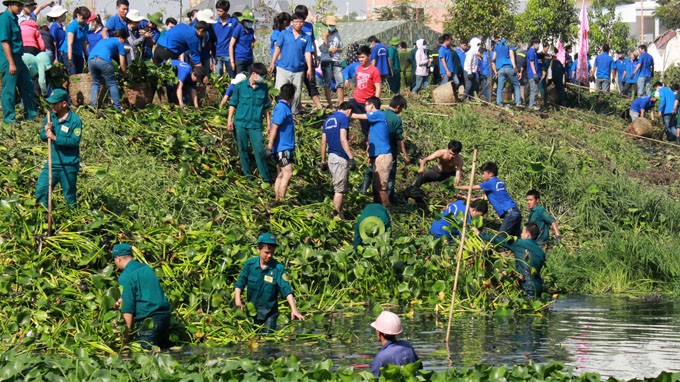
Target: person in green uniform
265,279
14,71
529,257
248,106
404,63
374,217
64,130
142,302
393,55
542,218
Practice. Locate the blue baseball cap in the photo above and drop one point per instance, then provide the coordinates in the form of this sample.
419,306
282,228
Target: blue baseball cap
123,249
267,238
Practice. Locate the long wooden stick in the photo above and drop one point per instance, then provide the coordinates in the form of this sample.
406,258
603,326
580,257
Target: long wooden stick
461,246
49,178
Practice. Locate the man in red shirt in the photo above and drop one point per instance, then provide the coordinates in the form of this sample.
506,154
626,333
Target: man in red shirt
368,85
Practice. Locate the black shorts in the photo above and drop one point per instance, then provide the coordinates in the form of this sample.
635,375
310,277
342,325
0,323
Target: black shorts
284,158
162,54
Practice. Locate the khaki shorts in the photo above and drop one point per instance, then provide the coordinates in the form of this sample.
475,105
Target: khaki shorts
339,168
382,164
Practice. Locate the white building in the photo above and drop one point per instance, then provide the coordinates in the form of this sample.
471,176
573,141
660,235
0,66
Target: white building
641,20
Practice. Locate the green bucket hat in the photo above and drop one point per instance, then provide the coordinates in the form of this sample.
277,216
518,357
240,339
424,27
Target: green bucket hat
371,227
123,249
20,2
155,18
395,41
267,238
247,15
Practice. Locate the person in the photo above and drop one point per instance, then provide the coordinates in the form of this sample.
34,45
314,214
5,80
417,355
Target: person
281,143
94,34
293,58
310,81
404,64
222,32
248,106
666,99
374,218
630,76
644,71
568,62
331,57
281,22
265,279
64,130
542,218
461,52
449,163
456,210
422,63
142,299
485,74
500,199
101,66
602,69
379,57
349,74
230,89
31,38
47,38
545,59
558,78
137,25
15,74
369,84
340,160
152,34
180,39
447,68
642,105
242,41
533,73
72,50
619,69
393,53
38,66
32,10
379,151
187,78
56,18
206,41
505,68
393,351
117,21
471,69
521,63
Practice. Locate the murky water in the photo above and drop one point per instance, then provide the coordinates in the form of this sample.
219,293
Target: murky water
614,337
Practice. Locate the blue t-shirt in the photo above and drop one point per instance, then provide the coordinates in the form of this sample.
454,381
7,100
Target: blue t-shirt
378,135
502,55
181,38
398,353
106,49
666,100
379,54
647,65
58,34
437,228
533,57
620,66
350,71
272,42
331,127
604,64
223,33
285,135
642,103
292,57
229,91
630,68
183,72
461,55
92,39
501,201
485,64
243,49
79,38
115,23
446,54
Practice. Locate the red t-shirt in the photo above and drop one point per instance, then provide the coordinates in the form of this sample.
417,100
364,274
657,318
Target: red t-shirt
366,80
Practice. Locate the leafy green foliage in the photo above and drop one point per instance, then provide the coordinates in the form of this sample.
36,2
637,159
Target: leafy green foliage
470,18
549,20
668,12
606,27
401,10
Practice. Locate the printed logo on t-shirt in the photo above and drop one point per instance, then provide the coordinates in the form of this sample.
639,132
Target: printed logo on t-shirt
362,79
382,52
331,123
500,186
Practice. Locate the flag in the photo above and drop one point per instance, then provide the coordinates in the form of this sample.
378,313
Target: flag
561,53
582,66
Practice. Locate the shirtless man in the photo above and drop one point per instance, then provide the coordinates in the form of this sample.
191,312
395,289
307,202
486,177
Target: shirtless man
449,163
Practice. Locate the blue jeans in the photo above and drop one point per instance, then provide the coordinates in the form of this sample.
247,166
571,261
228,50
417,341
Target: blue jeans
643,86
78,63
671,129
512,222
503,75
101,71
421,83
222,64
484,88
157,334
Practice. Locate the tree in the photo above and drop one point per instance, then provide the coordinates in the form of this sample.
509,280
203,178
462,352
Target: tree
470,18
668,12
323,8
606,27
401,10
547,20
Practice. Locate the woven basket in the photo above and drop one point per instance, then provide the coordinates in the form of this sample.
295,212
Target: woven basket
138,96
443,94
79,87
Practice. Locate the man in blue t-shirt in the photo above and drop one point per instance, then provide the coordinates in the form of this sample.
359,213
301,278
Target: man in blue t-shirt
101,66
242,41
456,211
505,68
667,110
449,64
340,158
118,21
533,72
619,68
221,33
379,57
282,140
181,38
187,78
379,149
602,70
500,199
644,70
642,105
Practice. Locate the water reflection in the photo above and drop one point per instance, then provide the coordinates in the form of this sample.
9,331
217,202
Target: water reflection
613,337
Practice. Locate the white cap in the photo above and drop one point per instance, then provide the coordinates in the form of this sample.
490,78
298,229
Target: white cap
57,11
134,16
239,77
205,15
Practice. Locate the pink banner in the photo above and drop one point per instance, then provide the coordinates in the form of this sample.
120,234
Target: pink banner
582,66
561,53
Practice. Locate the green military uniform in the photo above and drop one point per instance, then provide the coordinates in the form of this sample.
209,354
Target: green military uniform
144,298
264,286
543,220
403,62
372,209
65,158
396,130
395,80
529,259
250,103
10,33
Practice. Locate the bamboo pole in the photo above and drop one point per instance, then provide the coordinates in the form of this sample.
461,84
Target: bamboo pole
461,246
